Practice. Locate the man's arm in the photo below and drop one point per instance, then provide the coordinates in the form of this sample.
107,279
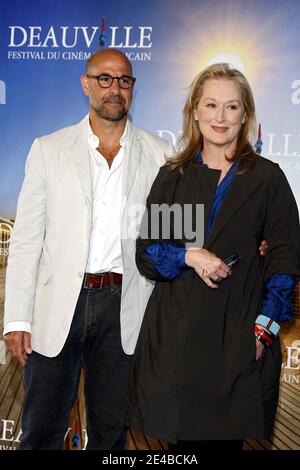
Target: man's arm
25,249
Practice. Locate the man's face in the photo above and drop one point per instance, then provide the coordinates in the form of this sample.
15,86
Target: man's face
112,103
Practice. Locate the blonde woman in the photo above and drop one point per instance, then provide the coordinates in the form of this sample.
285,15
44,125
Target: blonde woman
207,364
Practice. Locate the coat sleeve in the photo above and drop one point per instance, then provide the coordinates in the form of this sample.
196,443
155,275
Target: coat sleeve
153,234
281,229
26,240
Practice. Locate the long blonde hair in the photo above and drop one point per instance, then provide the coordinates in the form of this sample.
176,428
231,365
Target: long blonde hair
191,140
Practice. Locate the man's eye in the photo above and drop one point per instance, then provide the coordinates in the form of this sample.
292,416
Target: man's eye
104,79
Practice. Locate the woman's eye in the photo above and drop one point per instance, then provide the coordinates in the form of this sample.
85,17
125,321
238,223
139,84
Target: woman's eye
211,105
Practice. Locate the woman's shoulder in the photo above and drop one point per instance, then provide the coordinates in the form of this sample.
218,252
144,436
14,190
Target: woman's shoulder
166,173
265,163
268,168
274,176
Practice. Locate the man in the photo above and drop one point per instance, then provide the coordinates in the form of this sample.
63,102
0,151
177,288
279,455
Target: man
74,297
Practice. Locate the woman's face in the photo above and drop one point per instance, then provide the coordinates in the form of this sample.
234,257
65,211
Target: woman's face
220,112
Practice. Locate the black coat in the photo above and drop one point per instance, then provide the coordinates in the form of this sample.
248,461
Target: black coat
194,373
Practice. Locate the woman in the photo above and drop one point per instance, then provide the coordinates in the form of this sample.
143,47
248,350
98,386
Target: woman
207,362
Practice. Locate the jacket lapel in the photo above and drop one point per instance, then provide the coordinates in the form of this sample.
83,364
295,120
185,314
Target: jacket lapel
132,159
80,152
241,189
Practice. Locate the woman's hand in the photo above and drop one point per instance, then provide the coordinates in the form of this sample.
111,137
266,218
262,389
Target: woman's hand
263,247
207,265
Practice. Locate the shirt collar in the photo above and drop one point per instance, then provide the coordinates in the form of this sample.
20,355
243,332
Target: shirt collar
199,159
93,140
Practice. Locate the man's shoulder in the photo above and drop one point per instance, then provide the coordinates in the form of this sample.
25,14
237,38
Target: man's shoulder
63,134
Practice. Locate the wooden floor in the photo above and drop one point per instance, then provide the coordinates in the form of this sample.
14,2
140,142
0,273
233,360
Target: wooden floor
286,435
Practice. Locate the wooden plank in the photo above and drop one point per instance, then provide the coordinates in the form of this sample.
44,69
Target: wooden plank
291,439
290,407
293,386
288,420
5,382
164,445
152,443
278,444
11,392
139,440
15,414
289,392
10,363
130,442
253,444
290,398
247,446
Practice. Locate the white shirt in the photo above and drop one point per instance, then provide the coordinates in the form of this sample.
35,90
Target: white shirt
105,241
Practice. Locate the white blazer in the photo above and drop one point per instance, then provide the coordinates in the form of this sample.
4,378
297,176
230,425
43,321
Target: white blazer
50,240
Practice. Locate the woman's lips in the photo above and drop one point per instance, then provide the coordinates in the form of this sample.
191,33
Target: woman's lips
220,130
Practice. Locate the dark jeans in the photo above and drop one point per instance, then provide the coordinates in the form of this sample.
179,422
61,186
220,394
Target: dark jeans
233,445
94,344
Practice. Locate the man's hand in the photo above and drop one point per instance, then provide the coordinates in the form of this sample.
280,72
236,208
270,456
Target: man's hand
19,345
259,349
207,265
263,247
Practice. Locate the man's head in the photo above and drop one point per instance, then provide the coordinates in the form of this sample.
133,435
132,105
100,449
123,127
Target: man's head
109,101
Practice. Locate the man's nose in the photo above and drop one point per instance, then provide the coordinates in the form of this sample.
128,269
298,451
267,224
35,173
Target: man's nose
115,87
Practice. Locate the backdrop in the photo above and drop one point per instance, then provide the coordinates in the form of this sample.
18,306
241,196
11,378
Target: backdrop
43,50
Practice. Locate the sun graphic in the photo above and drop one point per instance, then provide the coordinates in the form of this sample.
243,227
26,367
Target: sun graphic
231,37
220,31
229,58
239,56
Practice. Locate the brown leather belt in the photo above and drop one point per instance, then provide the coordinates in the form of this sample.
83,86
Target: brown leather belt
98,281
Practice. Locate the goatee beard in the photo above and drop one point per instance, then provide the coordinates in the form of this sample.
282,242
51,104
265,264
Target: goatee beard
109,115
116,116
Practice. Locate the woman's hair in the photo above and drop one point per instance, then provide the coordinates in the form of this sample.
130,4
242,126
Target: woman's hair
191,140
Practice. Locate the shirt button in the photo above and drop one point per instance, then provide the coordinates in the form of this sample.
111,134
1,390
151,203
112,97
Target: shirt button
80,274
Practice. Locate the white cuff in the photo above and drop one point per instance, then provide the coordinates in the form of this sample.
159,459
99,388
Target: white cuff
17,326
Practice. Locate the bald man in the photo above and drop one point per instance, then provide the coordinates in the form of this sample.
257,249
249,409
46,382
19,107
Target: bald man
74,297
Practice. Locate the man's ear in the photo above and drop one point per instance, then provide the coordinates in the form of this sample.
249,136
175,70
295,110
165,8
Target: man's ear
85,85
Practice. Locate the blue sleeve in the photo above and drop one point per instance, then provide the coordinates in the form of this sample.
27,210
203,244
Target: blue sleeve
168,259
276,302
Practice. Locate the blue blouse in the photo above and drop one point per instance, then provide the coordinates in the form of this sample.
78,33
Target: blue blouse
169,261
